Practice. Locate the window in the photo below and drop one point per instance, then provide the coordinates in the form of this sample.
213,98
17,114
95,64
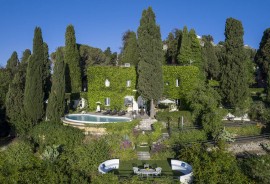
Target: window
107,83
128,83
177,83
107,101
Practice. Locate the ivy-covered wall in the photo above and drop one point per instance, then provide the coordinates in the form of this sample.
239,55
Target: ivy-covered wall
118,77
188,77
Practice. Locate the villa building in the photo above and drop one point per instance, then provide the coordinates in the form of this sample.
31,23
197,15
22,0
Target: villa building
115,87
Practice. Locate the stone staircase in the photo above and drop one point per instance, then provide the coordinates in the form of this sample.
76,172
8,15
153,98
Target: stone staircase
143,155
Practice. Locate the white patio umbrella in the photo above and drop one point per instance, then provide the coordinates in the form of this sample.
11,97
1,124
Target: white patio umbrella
167,101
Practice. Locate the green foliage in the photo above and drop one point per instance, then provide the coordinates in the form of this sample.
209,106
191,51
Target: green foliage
13,63
46,72
54,133
216,166
187,136
105,178
34,88
174,117
87,157
211,64
14,104
234,80
246,130
150,80
51,152
72,60
130,51
118,77
187,77
56,102
184,56
196,53
256,168
225,135
173,42
262,57
204,102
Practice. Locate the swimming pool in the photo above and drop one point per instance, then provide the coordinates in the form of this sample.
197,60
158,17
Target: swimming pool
94,119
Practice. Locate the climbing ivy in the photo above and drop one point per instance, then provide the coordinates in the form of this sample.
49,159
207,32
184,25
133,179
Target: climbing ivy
188,77
118,77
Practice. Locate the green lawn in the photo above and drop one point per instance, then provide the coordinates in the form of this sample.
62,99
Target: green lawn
126,167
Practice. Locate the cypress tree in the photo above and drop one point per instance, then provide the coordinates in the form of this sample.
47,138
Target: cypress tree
173,42
195,48
56,103
184,56
26,55
211,65
130,53
262,57
24,62
14,104
46,72
12,63
34,89
150,80
234,81
72,60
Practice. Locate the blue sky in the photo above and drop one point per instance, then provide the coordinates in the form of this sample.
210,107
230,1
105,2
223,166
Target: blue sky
101,23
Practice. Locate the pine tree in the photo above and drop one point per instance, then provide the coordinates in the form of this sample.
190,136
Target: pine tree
262,57
184,56
268,87
56,103
34,89
211,65
46,72
72,60
150,80
130,53
12,63
234,81
195,48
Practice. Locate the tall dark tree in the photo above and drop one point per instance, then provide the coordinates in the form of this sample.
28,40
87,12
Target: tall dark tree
24,60
130,51
150,80
211,65
56,102
46,72
262,57
173,43
34,87
72,60
12,63
184,56
234,80
195,49
14,104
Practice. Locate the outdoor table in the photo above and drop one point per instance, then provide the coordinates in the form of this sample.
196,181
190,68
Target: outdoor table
147,172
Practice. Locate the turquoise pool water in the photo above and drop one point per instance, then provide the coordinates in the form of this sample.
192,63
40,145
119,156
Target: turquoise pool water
96,119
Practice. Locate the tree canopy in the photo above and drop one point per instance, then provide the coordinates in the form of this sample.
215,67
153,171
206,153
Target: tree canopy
150,80
234,80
